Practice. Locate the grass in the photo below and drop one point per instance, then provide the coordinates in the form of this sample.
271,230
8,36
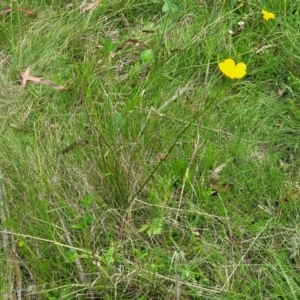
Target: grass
150,175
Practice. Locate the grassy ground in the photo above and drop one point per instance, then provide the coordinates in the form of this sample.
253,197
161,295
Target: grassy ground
141,171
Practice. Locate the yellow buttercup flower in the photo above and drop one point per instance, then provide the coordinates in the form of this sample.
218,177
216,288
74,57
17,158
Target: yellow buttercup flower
232,70
267,15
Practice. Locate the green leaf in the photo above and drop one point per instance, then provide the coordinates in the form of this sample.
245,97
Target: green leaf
78,226
109,255
165,7
87,201
109,46
119,120
70,256
156,226
169,5
88,219
147,55
144,227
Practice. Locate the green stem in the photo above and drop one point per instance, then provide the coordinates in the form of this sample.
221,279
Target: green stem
173,145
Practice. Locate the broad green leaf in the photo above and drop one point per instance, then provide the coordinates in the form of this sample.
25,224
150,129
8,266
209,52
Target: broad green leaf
144,227
147,55
156,226
170,5
109,46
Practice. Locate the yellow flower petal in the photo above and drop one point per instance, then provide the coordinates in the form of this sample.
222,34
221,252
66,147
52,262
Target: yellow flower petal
227,67
267,15
231,70
240,70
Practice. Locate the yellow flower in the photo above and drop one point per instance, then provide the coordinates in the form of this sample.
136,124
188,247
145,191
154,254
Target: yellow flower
231,70
267,15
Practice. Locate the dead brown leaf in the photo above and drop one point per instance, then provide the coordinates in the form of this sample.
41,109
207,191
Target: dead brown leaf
148,31
291,195
130,42
218,188
162,156
74,145
27,12
5,10
233,241
216,173
69,5
27,77
21,9
19,127
292,64
89,6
